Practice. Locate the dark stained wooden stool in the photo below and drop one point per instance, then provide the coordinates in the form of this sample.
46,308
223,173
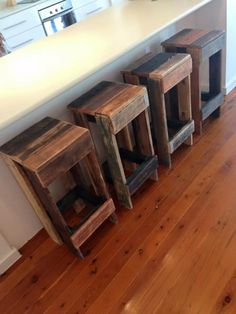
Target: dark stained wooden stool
53,149
202,45
167,77
118,109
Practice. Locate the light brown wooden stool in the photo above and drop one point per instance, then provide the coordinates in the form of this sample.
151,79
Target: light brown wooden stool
202,45
167,77
118,108
53,149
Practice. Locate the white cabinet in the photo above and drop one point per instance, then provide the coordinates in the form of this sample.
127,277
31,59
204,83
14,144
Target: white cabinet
20,22
21,28
91,8
26,38
114,2
24,27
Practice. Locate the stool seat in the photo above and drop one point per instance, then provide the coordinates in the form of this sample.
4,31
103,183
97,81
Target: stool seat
202,45
119,110
197,38
54,151
120,103
168,68
44,146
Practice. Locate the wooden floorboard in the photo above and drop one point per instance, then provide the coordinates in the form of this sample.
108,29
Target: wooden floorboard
173,253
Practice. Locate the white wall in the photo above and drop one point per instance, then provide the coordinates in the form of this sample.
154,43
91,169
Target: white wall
231,45
8,255
213,17
18,222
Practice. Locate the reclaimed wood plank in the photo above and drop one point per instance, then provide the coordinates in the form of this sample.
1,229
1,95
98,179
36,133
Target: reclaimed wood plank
114,161
157,102
181,136
215,76
212,105
94,221
33,199
184,104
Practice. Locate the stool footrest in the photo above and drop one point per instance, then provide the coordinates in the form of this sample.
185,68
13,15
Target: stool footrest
141,173
92,223
181,136
176,124
147,165
67,201
132,156
211,105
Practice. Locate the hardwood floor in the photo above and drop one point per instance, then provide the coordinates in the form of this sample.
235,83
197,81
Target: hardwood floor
175,252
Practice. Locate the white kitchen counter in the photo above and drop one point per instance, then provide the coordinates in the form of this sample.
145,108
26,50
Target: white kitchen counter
35,74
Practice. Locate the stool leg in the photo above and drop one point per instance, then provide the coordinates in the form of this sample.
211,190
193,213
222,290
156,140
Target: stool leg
196,91
143,137
115,163
184,103
157,103
113,218
54,212
96,175
124,140
32,197
215,77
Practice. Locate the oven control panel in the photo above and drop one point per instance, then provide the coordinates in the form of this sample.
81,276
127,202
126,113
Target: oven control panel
55,9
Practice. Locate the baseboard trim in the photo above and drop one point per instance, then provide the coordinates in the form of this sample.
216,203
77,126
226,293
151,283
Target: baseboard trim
8,260
230,86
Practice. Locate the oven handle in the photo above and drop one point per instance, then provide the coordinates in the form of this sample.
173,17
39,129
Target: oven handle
57,15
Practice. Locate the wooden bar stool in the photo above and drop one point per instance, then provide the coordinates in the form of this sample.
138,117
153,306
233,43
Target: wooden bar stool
167,77
117,109
202,45
53,149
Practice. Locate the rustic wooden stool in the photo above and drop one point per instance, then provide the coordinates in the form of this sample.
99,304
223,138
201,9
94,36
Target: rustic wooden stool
53,149
167,77
118,109
202,45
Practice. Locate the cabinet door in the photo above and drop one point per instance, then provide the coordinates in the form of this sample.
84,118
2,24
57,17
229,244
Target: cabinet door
26,38
19,22
80,3
93,8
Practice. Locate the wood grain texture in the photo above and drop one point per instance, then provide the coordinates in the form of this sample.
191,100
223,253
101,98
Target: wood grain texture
119,102
164,74
198,38
115,163
143,137
159,118
183,136
184,104
172,72
49,148
175,253
85,231
201,45
119,110
169,68
32,197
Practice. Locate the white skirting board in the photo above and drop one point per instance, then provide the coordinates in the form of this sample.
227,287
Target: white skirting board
230,86
8,255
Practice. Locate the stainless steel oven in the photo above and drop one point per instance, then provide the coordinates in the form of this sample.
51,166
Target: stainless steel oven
57,16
